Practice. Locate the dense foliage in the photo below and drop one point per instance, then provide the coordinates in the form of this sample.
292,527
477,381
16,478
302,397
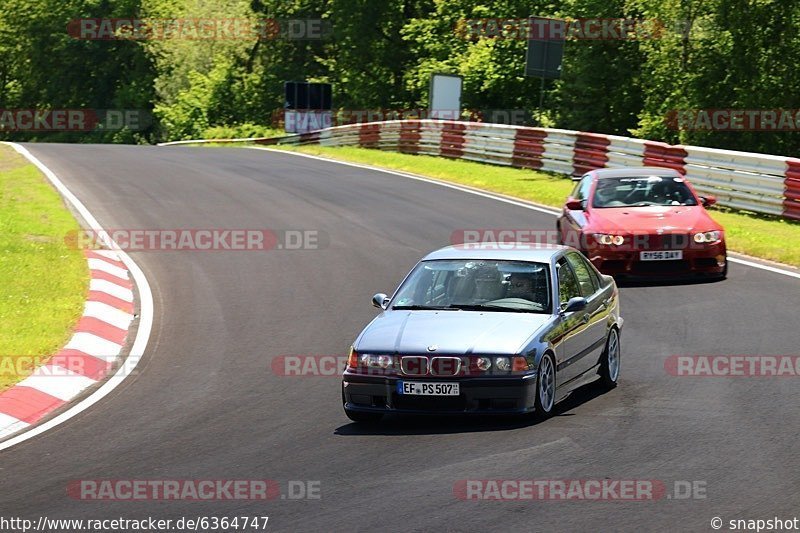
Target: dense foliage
379,54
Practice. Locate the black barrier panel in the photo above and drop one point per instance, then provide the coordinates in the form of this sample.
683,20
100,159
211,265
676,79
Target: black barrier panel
545,48
304,95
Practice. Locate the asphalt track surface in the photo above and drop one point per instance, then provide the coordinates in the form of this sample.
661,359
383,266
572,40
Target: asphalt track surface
205,403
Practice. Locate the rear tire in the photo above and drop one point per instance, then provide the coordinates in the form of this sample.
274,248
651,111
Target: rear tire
610,364
363,418
545,388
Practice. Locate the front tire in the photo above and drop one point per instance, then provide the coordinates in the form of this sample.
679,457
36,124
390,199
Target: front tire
609,366
545,388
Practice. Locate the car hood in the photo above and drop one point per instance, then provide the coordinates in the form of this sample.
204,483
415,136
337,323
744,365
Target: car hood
452,332
678,218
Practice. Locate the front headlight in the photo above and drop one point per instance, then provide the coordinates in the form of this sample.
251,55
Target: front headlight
608,240
707,237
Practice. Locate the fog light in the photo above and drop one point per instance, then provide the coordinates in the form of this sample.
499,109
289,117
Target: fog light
483,363
503,363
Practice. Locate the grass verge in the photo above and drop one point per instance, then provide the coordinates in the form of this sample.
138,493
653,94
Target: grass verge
767,237
43,282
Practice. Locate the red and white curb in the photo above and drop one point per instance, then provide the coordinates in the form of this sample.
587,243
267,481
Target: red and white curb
89,359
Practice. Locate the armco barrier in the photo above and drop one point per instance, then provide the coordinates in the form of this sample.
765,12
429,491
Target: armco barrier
741,180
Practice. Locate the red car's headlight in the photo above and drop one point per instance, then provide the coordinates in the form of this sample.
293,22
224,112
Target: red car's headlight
707,237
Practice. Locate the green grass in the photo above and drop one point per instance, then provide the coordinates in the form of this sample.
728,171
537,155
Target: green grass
766,237
43,283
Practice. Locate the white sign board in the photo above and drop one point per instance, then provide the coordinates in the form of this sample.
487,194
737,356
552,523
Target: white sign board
445,97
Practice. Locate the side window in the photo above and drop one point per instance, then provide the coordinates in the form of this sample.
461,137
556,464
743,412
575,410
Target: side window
586,184
583,272
567,284
581,191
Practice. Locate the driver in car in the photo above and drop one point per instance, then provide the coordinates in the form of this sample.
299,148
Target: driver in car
520,286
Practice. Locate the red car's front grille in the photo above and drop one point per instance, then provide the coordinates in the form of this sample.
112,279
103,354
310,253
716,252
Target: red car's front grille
667,241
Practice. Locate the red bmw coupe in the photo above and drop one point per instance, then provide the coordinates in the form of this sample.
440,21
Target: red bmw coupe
643,222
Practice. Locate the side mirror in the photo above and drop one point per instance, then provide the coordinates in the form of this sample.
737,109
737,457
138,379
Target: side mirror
574,304
574,205
380,300
708,200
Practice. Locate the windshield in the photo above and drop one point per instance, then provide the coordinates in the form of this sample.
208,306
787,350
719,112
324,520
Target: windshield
642,191
476,285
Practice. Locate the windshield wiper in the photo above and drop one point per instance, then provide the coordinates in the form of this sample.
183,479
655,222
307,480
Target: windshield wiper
420,308
489,307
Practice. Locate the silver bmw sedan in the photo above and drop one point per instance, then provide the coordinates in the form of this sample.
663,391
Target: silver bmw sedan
505,328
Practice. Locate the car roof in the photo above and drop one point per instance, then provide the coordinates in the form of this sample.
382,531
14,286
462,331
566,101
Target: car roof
506,251
635,172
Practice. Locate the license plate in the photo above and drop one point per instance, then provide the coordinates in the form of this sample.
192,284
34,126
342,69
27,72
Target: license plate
417,388
664,255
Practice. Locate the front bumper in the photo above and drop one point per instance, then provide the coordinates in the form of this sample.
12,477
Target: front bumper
478,395
706,261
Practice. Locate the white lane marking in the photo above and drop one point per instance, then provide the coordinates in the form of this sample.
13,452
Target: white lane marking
146,313
105,266
764,267
111,315
57,381
93,345
113,289
9,425
500,198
